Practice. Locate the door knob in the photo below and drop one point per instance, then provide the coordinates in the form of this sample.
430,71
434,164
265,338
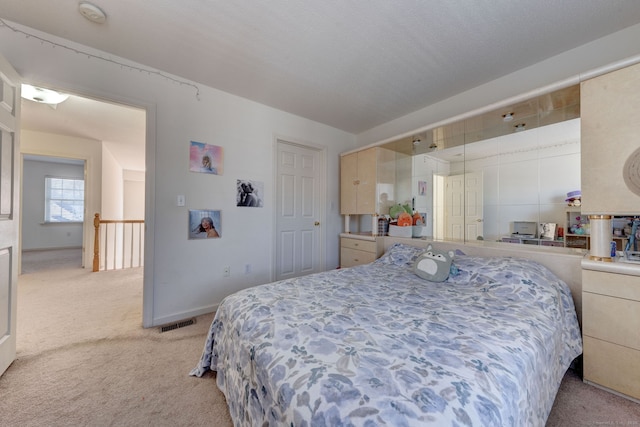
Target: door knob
317,223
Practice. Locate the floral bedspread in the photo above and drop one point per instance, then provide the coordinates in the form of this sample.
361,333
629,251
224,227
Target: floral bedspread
376,345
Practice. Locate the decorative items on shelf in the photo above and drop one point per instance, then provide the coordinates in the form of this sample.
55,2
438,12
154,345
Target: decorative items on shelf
574,198
580,227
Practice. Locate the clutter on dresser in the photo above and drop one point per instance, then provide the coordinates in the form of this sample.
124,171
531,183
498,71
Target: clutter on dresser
405,221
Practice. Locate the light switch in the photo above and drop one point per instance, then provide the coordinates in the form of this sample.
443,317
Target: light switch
180,201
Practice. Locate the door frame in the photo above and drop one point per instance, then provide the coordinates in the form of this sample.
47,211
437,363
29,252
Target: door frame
321,199
150,171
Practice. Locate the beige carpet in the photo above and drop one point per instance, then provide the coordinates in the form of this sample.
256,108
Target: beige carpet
85,360
51,259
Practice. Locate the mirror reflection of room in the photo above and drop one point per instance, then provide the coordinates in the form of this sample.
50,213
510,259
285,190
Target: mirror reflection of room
481,178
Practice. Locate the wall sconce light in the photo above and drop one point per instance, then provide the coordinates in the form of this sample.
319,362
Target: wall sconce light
43,96
507,117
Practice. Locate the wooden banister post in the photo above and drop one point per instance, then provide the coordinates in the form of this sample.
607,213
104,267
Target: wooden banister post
96,243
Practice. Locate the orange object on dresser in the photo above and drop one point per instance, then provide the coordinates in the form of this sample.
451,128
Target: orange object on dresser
404,219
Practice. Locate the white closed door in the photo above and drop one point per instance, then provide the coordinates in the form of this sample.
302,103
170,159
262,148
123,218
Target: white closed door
298,210
454,208
474,206
464,207
9,207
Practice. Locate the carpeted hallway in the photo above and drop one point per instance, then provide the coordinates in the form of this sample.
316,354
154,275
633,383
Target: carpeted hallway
84,360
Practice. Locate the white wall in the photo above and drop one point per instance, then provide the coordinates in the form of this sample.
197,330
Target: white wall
184,277
133,194
35,233
112,187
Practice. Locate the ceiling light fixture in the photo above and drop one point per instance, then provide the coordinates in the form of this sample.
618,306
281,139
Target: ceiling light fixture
520,127
416,140
43,96
92,12
507,117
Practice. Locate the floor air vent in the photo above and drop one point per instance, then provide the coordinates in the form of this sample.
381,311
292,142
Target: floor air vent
181,324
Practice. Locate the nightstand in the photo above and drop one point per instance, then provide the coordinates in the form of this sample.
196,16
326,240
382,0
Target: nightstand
359,249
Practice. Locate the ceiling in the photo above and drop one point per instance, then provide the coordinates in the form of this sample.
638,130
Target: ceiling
121,128
352,65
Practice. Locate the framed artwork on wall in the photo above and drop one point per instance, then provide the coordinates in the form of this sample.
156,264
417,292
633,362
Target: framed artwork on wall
204,224
249,193
422,188
206,158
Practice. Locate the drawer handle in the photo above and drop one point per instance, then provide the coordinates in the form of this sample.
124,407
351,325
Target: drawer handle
356,260
355,244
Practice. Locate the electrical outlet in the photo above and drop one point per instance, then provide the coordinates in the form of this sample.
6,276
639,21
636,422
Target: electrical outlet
247,268
227,271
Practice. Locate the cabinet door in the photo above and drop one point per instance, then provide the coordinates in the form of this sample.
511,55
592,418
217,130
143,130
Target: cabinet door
367,172
609,111
348,184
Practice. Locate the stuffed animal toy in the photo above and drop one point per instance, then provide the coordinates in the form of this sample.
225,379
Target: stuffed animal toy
434,265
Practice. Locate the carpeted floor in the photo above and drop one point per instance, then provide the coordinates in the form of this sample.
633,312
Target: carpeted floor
51,259
84,360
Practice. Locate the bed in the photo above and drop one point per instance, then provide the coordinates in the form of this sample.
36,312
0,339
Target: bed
376,345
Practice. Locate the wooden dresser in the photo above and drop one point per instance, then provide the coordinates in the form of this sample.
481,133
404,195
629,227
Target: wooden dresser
359,249
611,326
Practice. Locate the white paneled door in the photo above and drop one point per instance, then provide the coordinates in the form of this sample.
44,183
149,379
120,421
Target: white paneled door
298,214
464,207
9,215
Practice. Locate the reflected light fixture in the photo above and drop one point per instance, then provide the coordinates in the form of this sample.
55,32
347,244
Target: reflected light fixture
43,96
507,117
520,127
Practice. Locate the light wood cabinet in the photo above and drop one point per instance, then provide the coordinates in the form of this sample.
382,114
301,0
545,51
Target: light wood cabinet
355,251
364,176
609,111
611,330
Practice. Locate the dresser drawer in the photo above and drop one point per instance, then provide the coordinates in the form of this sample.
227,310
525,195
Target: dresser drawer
615,285
612,366
361,245
351,257
616,320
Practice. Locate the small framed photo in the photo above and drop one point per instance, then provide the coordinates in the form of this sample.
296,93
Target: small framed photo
249,193
204,224
422,188
547,230
205,158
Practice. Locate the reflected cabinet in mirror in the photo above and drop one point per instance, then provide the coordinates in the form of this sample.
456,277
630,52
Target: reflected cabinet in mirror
502,176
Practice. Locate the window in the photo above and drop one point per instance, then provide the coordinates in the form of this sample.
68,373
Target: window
64,200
